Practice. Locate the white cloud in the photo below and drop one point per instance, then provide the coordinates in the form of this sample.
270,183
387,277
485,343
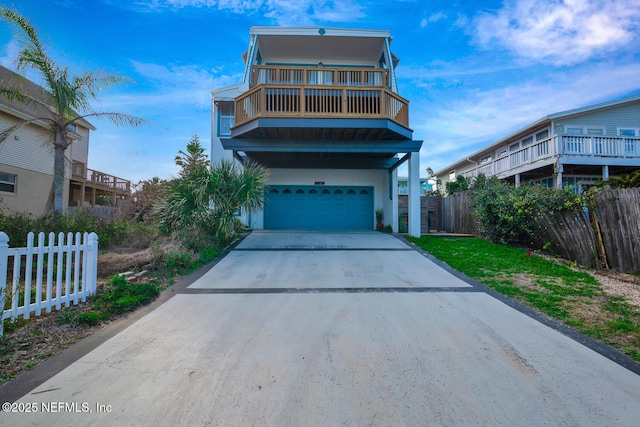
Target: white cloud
560,32
12,48
283,12
455,128
173,86
433,18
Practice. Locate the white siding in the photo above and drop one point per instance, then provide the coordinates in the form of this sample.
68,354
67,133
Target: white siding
80,148
28,148
610,118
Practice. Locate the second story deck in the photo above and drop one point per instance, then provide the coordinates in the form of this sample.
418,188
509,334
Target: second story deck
353,103
578,148
100,180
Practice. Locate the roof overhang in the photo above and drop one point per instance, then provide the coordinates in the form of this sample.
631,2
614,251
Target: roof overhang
321,154
325,44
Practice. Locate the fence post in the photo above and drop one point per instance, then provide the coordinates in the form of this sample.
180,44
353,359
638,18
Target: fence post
4,259
92,264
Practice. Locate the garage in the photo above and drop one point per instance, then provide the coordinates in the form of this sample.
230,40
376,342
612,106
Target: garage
318,207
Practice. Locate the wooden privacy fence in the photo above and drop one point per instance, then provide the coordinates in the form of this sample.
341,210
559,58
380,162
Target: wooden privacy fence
607,235
457,214
52,275
618,216
571,236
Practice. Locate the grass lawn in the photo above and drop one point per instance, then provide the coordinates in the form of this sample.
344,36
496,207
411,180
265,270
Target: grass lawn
569,295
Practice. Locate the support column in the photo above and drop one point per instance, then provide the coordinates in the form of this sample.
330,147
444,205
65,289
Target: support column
517,180
414,194
605,172
393,188
559,170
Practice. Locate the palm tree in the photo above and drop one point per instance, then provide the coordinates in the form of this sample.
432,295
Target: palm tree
209,196
65,95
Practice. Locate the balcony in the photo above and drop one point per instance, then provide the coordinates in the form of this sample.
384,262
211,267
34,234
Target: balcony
89,188
322,93
583,149
99,179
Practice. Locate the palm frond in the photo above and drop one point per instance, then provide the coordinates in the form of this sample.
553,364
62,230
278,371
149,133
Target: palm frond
118,119
33,55
92,82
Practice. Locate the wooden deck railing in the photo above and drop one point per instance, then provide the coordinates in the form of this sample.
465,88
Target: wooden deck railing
328,76
320,101
100,178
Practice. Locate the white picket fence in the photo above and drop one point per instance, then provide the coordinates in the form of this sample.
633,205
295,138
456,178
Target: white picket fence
65,273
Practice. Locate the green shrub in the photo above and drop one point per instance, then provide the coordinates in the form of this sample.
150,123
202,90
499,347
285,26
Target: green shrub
121,296
507,214
110,232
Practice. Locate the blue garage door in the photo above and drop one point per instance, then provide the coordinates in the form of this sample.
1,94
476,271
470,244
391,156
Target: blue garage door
318,207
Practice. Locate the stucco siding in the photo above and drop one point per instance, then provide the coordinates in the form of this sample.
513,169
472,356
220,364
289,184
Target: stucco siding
32,191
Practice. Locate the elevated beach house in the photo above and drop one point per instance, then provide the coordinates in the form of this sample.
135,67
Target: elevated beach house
27,157
319,107
576,147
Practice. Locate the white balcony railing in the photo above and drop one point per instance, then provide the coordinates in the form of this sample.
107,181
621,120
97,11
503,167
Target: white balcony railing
560,145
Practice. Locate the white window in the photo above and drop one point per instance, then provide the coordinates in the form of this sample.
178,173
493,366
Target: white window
628,132
527,141
514,147
574,131
485,159
542,135
452,176
501,152
7,183
225,118
584,130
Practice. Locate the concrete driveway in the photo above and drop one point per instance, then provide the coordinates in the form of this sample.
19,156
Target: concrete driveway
359,328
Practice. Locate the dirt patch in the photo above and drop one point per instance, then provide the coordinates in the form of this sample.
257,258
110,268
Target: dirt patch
113,263
28,343
37,339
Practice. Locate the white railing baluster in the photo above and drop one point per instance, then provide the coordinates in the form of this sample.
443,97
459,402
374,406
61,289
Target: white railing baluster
4,261
39,267
93,262
28,265
67,280
50,261
15,291
76,270
59,271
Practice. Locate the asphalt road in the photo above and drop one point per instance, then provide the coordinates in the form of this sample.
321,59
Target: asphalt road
356,328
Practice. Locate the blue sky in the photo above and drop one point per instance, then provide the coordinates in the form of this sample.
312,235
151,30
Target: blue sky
473,71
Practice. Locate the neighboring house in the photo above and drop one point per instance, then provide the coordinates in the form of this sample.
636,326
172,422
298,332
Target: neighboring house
403,186
576,147
319,107
26,160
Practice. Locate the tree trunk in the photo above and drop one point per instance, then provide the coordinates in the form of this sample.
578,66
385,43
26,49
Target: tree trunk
58,181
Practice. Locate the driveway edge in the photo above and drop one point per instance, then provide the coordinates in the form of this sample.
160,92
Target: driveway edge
29,380
589,342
